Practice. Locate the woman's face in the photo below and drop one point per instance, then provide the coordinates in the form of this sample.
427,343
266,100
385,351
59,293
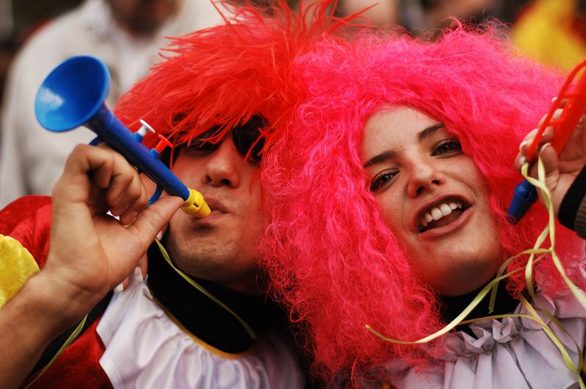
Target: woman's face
433,198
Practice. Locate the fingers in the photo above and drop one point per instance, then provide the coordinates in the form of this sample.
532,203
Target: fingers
126,197
556,115
549,158
546,137
522,155
153,219
90,252
102,179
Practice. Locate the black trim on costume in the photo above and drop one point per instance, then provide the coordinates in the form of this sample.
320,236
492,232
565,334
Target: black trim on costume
54,347
572,200
452,306
204,318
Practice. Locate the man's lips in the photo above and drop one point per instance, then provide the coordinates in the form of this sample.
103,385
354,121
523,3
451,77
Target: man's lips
219,210
216,205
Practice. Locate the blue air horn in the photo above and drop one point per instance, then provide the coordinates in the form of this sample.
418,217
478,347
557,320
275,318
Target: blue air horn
73,95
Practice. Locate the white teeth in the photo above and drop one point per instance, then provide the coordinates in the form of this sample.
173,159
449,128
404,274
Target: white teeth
445,208
439,211
436,213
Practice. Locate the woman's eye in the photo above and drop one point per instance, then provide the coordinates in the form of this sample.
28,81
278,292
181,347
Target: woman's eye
447,147
382,179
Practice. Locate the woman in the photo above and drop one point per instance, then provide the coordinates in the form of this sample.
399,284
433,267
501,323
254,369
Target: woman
389,196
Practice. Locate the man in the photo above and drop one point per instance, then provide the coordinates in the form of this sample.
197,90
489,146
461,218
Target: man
125,34
206,325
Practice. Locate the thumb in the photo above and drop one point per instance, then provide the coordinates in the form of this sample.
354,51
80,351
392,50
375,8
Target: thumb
153,219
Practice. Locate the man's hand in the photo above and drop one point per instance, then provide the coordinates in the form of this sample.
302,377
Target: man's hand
91,252
560,170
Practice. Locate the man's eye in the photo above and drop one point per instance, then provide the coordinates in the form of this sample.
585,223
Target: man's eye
201,148
382,179
447,147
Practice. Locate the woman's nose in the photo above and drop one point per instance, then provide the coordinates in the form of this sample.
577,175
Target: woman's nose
424,178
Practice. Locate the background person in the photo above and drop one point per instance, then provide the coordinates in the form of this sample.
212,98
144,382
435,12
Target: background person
126,35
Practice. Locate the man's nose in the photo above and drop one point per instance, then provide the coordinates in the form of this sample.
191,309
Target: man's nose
223,165
424,177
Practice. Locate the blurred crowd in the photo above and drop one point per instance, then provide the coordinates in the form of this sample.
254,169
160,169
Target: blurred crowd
552,31
127,35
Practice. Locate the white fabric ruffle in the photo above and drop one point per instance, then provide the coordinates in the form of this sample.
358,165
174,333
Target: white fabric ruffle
512,353
146,349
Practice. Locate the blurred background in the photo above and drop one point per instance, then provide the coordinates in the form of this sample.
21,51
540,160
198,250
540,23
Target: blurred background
551,31
130,32
543,28
19,19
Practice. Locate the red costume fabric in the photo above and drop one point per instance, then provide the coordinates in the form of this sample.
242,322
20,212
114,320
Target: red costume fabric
28,220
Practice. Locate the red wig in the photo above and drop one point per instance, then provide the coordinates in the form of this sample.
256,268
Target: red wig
331,257
223,76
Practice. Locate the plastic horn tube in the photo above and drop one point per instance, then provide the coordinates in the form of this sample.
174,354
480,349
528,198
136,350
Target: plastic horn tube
573,105
73,95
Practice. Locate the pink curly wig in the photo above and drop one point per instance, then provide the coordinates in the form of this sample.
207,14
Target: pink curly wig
332,259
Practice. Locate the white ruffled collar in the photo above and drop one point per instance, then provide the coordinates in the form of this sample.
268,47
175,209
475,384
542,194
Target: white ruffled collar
507,353
146,349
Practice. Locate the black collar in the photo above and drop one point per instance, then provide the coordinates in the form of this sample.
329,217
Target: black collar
452,306
204,318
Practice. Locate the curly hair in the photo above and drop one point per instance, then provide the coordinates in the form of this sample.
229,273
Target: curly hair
332,259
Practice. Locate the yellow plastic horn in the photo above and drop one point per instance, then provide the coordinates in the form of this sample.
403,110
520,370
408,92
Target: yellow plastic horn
196,205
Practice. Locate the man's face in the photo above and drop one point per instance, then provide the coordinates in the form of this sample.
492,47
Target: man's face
223,246
143,17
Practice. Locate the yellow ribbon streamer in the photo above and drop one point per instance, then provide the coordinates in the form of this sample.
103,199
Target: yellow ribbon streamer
197,286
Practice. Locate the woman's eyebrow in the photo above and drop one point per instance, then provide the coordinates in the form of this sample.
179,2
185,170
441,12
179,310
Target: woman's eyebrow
429,131
379,158
390,154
